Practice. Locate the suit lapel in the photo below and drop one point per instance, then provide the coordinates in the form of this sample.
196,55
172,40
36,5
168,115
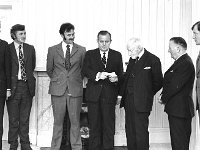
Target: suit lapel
141,62
98,58
109,59
25,52
198,64
182,58
13,53
60,50
74,50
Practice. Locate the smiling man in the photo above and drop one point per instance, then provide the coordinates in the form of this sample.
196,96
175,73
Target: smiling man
177,94
22,88
64,64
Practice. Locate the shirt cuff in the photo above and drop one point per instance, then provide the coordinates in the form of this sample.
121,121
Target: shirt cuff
97,76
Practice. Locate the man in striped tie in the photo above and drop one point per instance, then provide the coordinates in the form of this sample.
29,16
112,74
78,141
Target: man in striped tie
22,88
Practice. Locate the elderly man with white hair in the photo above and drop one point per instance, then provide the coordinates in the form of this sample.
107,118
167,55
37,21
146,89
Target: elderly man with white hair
142,80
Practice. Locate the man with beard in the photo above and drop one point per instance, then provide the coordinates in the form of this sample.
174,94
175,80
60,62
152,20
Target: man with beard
64,63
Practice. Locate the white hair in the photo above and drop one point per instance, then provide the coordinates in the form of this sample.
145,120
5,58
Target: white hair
134,42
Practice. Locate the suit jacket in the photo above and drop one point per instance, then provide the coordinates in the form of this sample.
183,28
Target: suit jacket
30,62
147,81
5,68
60,77
178,86
93,65
198,81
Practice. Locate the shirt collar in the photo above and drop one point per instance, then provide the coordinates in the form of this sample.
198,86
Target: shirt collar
17,45
65,44
106,52
140,54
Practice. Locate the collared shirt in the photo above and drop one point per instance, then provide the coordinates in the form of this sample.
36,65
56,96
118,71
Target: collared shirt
140,54
17,51
64,47
106,54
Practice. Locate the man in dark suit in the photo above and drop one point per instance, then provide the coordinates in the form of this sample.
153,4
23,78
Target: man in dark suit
102,67
142,80
64,64
177,94
22,88
5,70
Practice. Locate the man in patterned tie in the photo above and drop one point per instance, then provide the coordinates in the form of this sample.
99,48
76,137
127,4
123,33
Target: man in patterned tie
22,88
102,66
196,36
66,85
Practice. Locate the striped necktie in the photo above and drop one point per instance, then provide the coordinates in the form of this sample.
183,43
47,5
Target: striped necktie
67,57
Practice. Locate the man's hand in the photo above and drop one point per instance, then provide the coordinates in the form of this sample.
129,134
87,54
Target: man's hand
160,100
8,94
119,98
102,75
112,77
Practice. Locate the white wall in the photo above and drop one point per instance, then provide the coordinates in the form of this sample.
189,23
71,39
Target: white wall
156,21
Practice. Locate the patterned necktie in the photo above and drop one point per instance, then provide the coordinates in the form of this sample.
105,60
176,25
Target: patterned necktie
67,57
103,59
22,64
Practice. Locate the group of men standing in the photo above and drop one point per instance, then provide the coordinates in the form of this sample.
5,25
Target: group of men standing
68,63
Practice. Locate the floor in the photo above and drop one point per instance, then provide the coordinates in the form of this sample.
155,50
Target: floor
152,147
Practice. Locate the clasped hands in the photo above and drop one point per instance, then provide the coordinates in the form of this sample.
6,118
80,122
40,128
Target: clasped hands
111,76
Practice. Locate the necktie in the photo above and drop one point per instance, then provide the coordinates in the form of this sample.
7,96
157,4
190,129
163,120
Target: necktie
67,57
103,59
22,64
134,60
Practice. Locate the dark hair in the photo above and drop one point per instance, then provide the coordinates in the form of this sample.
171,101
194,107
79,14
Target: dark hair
198,25
103,32
15,28
66,27
180,41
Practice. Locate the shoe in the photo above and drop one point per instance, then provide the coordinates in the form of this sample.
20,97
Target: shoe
13,146
26,147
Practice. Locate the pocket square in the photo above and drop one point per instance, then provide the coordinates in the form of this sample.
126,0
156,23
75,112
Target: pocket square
171,70
147,67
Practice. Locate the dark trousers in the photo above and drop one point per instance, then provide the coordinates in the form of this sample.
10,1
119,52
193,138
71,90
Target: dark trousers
101,116
136,126
2,104
180,131
19,108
